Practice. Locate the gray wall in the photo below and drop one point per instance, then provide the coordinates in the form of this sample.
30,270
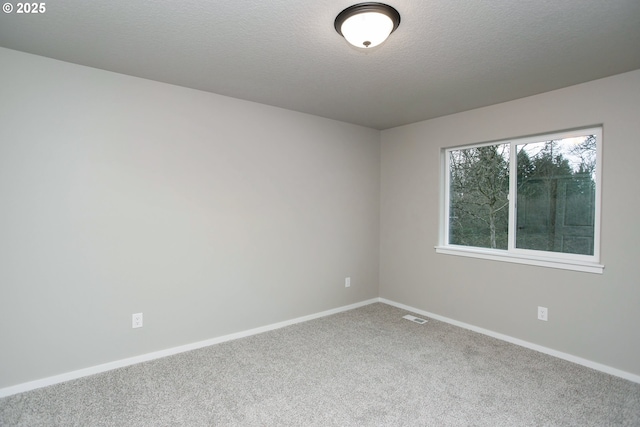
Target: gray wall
213,215
208,214
596,317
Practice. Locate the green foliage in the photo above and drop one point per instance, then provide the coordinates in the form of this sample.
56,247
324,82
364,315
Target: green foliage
479,190
556,201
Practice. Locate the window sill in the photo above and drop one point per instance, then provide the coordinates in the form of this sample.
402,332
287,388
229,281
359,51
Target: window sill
586,267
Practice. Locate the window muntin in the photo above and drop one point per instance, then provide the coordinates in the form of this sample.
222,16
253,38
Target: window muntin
531,198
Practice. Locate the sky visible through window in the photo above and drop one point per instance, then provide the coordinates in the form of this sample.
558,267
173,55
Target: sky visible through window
577,151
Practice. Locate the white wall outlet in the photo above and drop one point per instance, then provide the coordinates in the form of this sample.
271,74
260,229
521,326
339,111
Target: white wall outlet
543,313
136,320
347,282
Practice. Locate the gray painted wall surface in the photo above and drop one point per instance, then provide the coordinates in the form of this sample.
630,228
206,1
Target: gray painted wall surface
213,215
592,316
208,214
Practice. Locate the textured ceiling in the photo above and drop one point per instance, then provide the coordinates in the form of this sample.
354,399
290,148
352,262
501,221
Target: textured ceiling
446,56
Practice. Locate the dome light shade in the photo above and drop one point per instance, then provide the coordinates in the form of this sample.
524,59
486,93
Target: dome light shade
366,25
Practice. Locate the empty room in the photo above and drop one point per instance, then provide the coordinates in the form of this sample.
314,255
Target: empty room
292,213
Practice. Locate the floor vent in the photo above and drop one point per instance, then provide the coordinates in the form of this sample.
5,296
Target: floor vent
414,319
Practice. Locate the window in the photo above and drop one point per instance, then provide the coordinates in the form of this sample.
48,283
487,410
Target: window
533,200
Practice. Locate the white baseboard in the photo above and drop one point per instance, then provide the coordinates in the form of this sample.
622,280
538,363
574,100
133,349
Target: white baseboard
569,357
56,379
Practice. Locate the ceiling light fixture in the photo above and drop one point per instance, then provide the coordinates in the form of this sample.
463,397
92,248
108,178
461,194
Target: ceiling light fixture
366,25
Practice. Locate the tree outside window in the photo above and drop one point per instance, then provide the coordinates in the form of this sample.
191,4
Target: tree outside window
528,195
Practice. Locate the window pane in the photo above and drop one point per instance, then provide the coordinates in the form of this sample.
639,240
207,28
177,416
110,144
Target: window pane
478,196
556,195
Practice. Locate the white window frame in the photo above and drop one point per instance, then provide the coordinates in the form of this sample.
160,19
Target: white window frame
584,263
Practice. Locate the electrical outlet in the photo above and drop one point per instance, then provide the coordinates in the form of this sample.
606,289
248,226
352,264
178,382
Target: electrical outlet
543,313
136,320
347,282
